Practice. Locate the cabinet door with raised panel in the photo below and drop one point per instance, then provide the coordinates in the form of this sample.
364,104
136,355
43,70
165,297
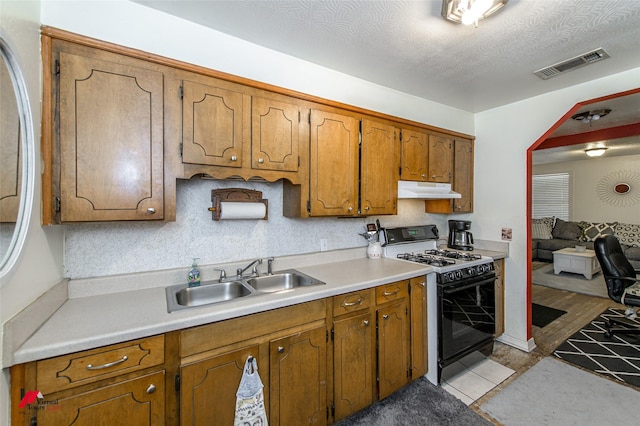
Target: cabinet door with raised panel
275,135
419,350
134,402
208,388
440,158
353,363
393,348
463,175
334,164
414,156
379,166
213,120
298,379
111,141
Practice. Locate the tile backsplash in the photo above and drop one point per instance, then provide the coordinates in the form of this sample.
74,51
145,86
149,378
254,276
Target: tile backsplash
93,250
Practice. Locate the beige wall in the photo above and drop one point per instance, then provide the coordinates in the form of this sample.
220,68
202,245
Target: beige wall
586,174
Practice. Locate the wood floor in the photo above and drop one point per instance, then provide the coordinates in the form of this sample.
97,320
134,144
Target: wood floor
580,310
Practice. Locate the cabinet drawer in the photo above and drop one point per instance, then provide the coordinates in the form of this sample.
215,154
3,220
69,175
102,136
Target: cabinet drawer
351,302
390,292
77,369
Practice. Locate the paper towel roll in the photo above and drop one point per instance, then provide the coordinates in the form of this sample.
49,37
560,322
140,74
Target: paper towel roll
229,210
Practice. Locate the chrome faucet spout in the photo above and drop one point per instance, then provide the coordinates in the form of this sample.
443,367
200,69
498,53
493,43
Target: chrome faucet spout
254,271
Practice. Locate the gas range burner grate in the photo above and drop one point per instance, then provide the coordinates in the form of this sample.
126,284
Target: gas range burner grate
427,259
453,254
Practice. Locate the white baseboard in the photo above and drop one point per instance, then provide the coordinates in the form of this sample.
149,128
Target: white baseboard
523,345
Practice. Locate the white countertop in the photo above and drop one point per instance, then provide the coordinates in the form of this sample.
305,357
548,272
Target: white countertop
96,320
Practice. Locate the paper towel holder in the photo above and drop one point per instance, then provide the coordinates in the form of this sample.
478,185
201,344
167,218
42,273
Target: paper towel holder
236,195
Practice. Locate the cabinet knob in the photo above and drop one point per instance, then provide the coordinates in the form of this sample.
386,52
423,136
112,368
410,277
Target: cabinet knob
365,322
234,158
260,160
423,176
385,316
280,349
350,209
151,388
151,210
366,209
433,177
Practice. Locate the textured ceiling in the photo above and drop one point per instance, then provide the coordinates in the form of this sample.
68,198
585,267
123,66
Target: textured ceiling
406,45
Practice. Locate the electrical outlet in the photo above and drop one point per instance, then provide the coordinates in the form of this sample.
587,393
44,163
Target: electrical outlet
324,244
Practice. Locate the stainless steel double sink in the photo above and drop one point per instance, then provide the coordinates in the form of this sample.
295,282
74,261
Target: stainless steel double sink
182,296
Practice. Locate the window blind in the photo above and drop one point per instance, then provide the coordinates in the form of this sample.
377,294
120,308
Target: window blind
551,195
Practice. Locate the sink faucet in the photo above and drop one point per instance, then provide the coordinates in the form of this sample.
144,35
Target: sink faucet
223,274
270,266
254,271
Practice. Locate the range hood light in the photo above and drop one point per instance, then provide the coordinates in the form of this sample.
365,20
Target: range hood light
425,190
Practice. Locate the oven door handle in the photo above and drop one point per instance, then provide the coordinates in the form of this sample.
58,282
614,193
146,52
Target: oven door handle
448,290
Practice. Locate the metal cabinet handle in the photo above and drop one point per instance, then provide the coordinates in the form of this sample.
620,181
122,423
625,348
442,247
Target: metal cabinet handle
385,316
234,158
151,210
280,349
422,284
393,293
423,176
151,388
107,365
366,208
350,208
260,160
365,322
357,302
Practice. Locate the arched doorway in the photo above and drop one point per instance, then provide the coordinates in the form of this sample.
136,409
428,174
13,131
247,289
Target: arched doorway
550,140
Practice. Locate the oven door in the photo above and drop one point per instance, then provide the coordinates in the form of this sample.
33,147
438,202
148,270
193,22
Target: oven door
467,317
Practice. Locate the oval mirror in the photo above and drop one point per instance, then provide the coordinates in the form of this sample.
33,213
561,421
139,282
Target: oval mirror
16,159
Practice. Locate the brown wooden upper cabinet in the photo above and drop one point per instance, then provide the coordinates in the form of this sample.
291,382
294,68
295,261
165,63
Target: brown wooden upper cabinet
414,155
379,171
275,135
333,168
463,155
230,130
111,139
212,125
346,177
440,158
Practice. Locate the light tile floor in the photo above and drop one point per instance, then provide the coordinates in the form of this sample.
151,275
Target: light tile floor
473,376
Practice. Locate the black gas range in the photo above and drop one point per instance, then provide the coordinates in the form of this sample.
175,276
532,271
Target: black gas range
464,293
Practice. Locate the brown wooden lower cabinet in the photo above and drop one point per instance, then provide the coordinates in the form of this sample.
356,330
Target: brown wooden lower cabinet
133,402
298,379
206,394
319,361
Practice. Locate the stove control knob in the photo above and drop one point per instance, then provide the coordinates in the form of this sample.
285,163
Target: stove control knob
471,271
459,274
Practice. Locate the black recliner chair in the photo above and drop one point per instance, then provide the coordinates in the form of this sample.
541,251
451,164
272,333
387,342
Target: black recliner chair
622,282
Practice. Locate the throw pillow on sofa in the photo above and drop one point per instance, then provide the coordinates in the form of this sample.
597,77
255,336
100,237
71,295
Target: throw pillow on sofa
541,228
628,234
566,230
595,230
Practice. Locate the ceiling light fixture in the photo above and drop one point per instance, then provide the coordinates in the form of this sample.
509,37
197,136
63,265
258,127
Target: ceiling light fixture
595,152
589,116
469,12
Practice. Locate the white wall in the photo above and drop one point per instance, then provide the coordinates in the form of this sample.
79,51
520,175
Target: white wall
586,174
40,265
504,135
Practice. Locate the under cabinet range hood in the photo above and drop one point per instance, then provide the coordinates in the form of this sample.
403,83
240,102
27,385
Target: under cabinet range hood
426,190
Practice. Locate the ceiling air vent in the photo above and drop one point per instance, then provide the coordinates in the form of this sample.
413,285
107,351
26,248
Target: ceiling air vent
571,64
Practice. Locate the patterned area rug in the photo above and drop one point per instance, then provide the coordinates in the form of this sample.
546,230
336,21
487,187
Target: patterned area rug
617,357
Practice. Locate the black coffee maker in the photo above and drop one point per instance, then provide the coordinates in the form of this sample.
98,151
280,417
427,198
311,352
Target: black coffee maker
459,236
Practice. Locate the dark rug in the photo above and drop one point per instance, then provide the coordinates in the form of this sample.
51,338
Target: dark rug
617,357
418,403
543,315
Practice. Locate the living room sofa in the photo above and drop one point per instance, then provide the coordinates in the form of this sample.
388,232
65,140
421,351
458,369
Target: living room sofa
550,234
